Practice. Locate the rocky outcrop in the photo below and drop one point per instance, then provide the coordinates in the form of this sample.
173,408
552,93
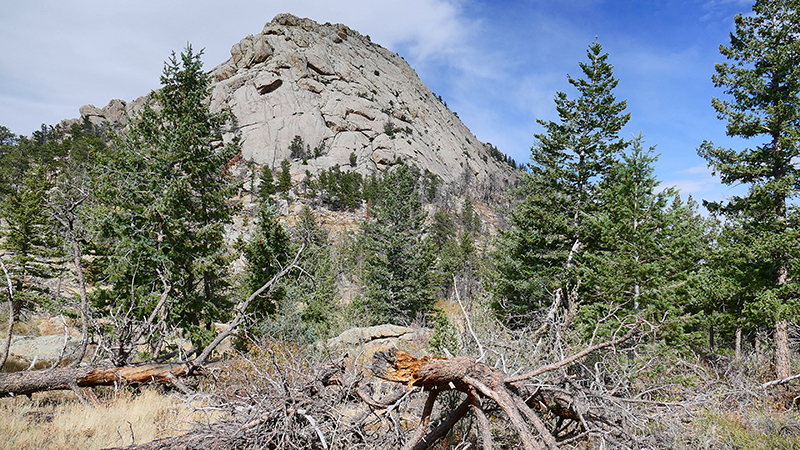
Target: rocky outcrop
342,94
361,343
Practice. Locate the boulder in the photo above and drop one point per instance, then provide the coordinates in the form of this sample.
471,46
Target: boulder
361,343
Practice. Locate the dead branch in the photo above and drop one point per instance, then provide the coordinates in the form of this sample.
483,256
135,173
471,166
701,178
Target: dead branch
567,361
28,382
520,402
462,374
63,378
780,381
242,311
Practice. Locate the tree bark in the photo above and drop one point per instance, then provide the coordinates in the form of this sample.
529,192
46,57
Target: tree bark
84,308
480,382
62,378
782,366
738,345
462,374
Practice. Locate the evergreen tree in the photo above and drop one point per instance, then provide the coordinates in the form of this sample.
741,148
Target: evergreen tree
12,161
266,254
763,85
285,177
266,186
399,266
164,193
29,237
316,292
470,219
535,261
297,149
648,247
443,229
70,207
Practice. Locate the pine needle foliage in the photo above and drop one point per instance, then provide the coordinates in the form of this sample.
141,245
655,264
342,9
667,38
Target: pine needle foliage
165,193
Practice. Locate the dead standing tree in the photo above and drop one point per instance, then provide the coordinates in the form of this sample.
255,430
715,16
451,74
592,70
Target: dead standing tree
481,383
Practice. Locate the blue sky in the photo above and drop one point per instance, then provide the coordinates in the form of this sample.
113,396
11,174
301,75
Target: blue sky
497,63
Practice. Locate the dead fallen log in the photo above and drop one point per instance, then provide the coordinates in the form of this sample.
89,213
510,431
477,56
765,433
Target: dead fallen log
513,395
475,379
63,378
74,378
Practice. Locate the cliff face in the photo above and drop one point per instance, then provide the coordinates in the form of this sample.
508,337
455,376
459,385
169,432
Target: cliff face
342,94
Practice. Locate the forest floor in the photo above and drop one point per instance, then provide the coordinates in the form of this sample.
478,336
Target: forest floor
676,402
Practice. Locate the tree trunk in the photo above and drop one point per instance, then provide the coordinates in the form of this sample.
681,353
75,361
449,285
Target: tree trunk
711,343
462,374
28,382
782,365
11,312
738,346
84,308
62,378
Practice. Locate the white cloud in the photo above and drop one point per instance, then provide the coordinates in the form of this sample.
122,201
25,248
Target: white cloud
700,170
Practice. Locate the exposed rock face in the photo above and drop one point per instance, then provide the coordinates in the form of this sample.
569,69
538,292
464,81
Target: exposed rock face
342,94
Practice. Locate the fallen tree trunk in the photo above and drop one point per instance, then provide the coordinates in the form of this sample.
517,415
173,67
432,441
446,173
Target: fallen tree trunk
481,383
29,382
475,379
285,407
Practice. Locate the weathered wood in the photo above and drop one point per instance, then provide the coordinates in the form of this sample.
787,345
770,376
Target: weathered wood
63,378
423,423
28,382
462,374
441,431
10,329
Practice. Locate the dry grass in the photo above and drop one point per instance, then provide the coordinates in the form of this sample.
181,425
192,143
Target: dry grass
56,420
762,427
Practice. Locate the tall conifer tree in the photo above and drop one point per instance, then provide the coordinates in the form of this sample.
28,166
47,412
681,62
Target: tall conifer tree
399,267
762,81
536,257
165,191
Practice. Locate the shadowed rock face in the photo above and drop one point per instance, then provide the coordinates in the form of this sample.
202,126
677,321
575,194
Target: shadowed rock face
342,94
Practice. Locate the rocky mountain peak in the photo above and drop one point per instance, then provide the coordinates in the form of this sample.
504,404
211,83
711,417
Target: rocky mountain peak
347,98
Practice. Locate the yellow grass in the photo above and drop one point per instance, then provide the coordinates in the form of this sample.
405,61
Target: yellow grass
56,420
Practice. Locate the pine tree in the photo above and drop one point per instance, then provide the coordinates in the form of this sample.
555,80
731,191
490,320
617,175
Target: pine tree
29,237
266,254
285,177
399,266
648,247
536,256
442,229
317,291
164,192
266,186
470,219
763,85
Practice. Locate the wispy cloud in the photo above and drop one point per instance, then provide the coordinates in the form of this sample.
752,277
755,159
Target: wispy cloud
698,170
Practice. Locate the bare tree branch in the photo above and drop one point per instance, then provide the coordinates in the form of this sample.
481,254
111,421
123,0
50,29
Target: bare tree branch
567,361
9,332
240,314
